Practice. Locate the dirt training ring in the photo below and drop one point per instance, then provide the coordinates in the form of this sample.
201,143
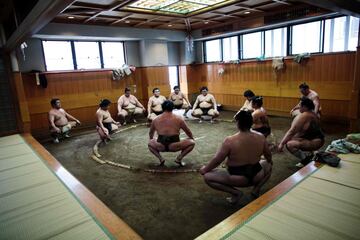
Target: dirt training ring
129,151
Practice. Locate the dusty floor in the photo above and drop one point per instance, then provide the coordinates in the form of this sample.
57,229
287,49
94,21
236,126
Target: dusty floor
165,205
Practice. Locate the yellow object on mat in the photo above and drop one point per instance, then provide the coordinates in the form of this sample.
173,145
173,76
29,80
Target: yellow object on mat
34,204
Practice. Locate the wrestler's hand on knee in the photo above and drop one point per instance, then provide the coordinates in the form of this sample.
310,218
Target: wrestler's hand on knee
57,130
202,170
281,147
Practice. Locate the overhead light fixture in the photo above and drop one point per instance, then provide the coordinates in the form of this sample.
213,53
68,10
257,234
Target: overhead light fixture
206,22
247,12
169,25
127,21
70,17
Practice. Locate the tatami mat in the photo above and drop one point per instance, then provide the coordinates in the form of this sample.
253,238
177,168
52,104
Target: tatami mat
351,157
14,150
348,173
10,140
325,206
34,204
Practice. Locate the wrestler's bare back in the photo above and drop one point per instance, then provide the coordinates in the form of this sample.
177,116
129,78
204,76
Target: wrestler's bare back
168,124
245,148
301,123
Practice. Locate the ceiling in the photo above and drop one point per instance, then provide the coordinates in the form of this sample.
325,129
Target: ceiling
186,15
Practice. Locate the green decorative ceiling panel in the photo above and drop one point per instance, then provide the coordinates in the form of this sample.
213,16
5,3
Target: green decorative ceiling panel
182,7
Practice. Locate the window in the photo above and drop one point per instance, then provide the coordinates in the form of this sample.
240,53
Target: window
252,45
341,34
353,33
58,55
306,38
87,55
113,54
213,51
230,48
275,42
173,77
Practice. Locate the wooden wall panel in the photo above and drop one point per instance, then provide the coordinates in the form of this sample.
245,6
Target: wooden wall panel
331,75
81,91
156,77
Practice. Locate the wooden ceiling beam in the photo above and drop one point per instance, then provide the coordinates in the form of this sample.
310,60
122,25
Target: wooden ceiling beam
348,7
152,13
147,21
77,11
219,7
282,2
226,15
254,9
205,20
111,8
87,5
42,13
121,19
165,24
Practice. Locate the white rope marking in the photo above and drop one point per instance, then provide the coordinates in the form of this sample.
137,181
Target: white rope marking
199,138
96,159
96,156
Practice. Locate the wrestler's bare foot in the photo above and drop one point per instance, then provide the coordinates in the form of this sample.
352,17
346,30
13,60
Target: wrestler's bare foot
56,140
162,163
179,162
200,121
134,121
255,193
212,121
235,198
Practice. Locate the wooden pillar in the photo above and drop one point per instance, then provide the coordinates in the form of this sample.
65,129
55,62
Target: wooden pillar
354,104
24,118
183,81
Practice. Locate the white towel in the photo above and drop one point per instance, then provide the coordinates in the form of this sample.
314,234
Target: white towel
278,63
37,79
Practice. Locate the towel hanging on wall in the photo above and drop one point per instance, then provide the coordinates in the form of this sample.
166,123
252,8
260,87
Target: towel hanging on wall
278,63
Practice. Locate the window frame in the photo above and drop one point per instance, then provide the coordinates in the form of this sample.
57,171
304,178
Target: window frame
286,42
124,51
347,32
289,39
262,36
56,40
221,50
88,69
73,53
222,47
321,31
